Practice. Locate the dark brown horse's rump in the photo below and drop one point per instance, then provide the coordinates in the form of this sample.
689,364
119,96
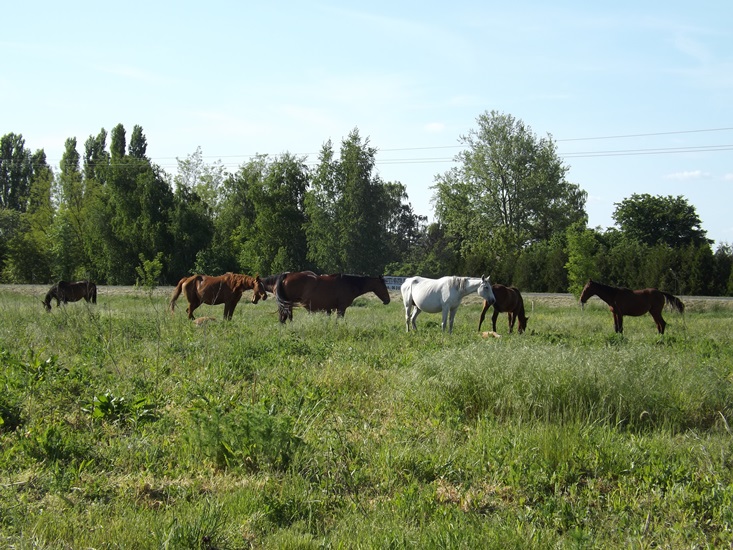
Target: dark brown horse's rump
324,292
64,292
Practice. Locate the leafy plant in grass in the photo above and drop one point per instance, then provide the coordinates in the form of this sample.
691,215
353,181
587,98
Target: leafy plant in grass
204,530
110,407
235,435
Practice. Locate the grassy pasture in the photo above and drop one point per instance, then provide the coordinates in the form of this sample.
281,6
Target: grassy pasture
125,427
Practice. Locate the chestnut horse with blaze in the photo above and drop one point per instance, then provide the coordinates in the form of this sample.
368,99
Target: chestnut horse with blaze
324,292
624,301
225,289
508,300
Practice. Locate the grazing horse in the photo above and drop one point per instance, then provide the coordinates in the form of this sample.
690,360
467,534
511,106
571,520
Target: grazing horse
441,295
324,292
63,291
225,289
624,301
508,300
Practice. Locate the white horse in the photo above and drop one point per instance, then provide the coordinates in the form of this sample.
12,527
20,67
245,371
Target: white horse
441,295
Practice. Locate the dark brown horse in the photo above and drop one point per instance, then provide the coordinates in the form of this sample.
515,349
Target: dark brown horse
324,292
624,301
64,292
508,300
225,289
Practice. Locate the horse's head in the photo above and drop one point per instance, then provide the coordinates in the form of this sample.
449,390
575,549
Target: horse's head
47,302
381,290
485,290
587,293
258,290
522,323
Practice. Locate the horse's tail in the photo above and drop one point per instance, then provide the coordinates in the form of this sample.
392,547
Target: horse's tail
284,306
93,289
674,302
176,293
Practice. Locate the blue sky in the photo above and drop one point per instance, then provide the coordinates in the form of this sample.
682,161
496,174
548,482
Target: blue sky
637,95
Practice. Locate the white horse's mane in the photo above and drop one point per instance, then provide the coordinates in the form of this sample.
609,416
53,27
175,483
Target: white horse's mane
460,282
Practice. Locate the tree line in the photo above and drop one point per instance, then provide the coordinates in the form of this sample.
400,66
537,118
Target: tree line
506,208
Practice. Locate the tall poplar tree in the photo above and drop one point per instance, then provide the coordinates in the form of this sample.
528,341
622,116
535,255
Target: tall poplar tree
349,210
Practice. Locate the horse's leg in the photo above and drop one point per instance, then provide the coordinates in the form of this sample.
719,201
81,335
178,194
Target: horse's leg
408,316
618,322
415,312
494,317
191,307
661,323
452,317
233,306
483,314
512,320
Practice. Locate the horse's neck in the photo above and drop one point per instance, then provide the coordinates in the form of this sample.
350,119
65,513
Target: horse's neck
605,293
468,285
246,281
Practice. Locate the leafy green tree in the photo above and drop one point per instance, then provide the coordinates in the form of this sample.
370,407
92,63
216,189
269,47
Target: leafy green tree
405,230
657,219
541,266
233,217
510,182
96,157
138,143
322,205
276,239
69,229
582,246
138,205
191,229
118,145
204,179
723,269
30,251
15,172
350,210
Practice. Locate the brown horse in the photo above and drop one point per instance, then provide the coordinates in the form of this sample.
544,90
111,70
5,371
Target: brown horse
509,301
324,292
65,292
225,289
624,301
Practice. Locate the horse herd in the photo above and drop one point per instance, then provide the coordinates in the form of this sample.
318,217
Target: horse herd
337,292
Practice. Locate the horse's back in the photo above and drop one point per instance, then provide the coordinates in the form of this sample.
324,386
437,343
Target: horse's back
429,294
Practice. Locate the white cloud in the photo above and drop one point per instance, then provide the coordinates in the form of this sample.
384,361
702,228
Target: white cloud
689,175
434,127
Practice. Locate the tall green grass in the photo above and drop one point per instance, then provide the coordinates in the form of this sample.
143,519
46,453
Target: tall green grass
124,426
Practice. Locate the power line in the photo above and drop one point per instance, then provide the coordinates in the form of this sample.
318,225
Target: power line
647,135
578,154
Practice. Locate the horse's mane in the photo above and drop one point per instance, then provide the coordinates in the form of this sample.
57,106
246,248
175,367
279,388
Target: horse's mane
241,277
605,286
460,282
270,280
